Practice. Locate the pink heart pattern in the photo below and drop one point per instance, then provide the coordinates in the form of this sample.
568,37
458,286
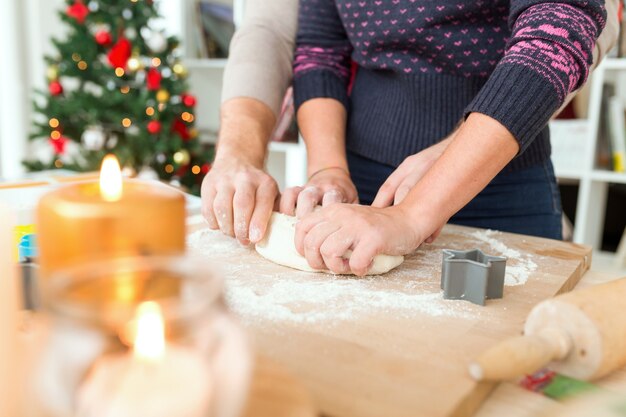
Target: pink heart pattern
455,37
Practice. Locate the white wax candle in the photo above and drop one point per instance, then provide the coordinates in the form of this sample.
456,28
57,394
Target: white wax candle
178,384
156,380
8,317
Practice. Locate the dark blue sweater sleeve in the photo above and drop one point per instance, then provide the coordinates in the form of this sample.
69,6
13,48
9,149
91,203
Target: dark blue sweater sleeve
322,57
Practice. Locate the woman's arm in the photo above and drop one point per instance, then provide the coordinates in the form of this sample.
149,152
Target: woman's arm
322,123
321,74
548,56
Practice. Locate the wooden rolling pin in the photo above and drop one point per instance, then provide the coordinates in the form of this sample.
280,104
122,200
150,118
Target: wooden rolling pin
581,334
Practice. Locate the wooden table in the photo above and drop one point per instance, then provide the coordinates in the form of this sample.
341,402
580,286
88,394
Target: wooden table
401,350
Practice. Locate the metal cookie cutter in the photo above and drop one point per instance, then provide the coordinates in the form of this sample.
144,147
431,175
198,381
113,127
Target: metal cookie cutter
472,275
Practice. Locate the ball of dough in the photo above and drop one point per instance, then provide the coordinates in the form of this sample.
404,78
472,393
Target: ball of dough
279,247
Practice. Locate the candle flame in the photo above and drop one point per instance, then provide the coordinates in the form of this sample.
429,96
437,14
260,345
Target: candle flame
110,179
150,336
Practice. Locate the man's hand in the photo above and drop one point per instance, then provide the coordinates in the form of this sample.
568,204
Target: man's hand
238,199
237,194
327,186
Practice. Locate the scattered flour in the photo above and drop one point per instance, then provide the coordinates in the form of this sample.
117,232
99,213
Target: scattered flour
518,266
258,290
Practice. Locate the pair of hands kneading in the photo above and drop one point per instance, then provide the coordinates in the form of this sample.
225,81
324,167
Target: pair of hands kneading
329,239
239,196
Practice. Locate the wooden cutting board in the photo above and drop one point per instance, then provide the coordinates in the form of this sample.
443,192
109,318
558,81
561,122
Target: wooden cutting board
389,345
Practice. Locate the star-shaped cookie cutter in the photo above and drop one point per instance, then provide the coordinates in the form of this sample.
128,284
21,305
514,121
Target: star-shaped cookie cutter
472,275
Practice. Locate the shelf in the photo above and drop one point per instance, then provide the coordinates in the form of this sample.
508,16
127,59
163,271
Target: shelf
205,63
568,176
608,176
615,63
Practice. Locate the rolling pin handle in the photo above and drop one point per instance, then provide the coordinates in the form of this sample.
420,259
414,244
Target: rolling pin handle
521,355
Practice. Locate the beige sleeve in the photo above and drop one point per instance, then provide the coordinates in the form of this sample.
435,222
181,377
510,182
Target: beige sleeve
261,53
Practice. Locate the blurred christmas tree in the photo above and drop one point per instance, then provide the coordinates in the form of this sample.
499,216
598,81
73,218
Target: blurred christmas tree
117,86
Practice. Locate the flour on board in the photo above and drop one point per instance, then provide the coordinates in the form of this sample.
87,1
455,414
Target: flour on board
259,290
518,266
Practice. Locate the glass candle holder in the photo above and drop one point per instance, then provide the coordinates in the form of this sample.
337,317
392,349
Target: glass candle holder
135,337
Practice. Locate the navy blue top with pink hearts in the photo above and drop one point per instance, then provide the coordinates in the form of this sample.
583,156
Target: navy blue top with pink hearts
423,65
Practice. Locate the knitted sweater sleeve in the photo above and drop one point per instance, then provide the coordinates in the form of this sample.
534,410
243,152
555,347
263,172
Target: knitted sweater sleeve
322,58
547,57
261,53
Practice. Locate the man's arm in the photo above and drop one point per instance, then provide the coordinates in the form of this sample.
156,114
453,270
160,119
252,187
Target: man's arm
237,194
261,53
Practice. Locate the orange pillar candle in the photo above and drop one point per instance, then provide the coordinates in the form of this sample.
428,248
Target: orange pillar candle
90,221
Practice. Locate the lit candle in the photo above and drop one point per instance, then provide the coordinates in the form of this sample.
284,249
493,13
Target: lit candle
91,221
157,380
8,317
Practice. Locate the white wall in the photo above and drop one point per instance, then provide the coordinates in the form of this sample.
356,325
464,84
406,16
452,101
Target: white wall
25,29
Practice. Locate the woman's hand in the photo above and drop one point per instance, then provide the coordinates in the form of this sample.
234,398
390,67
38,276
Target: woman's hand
325,187
408,173
238,198
325,236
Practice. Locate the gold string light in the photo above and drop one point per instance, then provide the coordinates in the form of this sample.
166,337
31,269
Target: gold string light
119,71
162,96
55,134
125,89
54,123
82,65
169,168
195,169
150,111
156,61
126,122
187,117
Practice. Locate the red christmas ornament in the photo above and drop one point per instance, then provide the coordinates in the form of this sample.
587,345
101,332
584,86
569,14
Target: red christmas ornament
181,128
55,88
182,170
78,11
188,100
153,79
153,127
58,145
206,168
120,53
103,38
